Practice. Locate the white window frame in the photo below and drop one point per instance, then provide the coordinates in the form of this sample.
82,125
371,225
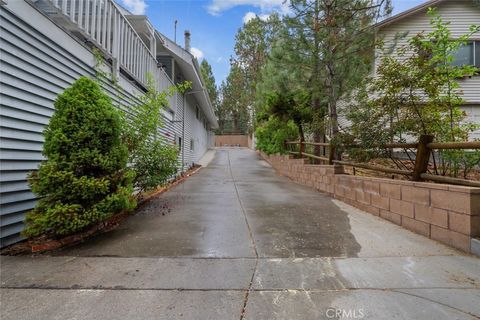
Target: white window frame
475,46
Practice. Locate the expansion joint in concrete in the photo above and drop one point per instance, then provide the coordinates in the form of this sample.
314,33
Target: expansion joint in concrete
252,239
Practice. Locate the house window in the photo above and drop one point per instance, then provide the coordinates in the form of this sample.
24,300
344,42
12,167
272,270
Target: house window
468,54
192,145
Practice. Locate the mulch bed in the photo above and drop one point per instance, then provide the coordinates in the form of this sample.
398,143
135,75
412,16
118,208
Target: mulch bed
44,244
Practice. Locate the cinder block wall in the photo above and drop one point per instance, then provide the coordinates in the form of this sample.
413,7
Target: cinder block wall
446,213
231,140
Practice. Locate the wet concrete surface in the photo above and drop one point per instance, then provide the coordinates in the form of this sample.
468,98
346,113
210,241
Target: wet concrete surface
119,304
238,241
236,201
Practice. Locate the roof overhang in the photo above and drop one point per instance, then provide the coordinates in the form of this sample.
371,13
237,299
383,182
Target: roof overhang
191,70
420,8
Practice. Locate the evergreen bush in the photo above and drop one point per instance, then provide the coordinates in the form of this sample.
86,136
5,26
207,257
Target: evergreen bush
272,134
84,178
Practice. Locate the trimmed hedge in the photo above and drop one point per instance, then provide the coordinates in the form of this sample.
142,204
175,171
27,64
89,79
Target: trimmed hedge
85,178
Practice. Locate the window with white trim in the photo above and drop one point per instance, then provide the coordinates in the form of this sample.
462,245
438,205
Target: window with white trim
468,54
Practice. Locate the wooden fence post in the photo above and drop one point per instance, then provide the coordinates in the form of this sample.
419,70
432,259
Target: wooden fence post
423,157
331,154
302,148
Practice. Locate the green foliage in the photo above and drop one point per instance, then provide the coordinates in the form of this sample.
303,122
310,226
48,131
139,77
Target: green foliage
213,92
281,94
318,55
154,164
328,44
152,158
415,94
84,178
209,80
272,134
235,107
253,42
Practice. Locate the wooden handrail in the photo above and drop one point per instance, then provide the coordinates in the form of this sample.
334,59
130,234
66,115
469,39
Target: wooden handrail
431,145
387,146
315,157
375,168
424,147
450,180
321,144
454,145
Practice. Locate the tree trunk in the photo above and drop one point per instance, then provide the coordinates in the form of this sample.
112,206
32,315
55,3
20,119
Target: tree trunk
301,132
235,124
319,132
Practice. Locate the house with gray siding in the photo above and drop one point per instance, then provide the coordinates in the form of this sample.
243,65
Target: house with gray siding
461,14
46,45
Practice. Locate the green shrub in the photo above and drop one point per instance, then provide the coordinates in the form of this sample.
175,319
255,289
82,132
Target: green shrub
84,178
154,163
271,135
153,159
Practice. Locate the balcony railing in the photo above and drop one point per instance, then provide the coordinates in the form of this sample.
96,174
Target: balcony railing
103,23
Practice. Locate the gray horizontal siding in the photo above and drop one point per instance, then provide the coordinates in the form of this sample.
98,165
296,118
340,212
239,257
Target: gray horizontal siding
34,70
461,14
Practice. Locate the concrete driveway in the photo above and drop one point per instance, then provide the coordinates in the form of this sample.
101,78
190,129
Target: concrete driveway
237,241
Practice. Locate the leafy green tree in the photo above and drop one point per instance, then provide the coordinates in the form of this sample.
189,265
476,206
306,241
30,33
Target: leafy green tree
84,178
151,157
417,93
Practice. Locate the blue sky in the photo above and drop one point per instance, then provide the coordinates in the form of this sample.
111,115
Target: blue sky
213,23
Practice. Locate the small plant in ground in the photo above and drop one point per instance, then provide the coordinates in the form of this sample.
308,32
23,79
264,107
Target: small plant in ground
153,159
154,164
84,178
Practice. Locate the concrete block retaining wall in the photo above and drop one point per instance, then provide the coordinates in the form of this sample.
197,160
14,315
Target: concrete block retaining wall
446,213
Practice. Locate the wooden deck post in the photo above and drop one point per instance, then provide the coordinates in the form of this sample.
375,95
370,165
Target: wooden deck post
423,157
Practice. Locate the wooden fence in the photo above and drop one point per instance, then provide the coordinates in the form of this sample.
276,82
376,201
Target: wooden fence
425,146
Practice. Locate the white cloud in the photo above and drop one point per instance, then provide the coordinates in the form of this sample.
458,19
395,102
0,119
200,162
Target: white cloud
216,7
197,53
264,17
135,6
251,15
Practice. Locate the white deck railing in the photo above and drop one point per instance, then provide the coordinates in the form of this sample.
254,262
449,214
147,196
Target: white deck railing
105,25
